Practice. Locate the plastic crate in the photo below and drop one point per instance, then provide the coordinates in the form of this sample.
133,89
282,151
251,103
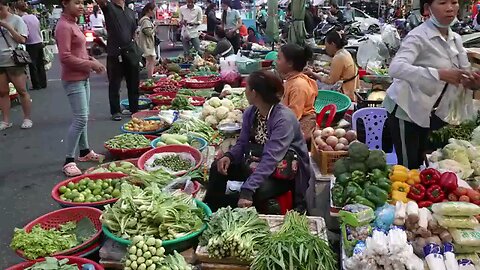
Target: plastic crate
248,67
326,159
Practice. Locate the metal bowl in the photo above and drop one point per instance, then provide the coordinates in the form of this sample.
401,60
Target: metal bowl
230,128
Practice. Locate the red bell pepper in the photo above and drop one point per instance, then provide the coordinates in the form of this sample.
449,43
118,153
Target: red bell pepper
429,177
449,181
423,204
435,194
417,192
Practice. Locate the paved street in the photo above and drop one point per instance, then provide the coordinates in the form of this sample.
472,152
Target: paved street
31,160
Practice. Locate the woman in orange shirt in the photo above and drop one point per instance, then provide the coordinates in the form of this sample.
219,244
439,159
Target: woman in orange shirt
300,91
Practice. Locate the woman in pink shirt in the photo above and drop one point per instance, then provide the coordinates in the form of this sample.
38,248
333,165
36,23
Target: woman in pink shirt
76,68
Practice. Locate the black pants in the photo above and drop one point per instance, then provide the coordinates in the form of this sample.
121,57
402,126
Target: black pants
217,184
116,72
38,75
411,140
235,41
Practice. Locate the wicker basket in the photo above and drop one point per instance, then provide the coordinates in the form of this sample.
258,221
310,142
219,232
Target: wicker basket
326,159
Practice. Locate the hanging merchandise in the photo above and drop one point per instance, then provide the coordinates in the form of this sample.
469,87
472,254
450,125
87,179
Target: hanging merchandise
296,31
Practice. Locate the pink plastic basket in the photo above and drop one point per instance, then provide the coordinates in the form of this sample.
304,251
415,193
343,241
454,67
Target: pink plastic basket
172,148
56,218
203,82
71,260
169,96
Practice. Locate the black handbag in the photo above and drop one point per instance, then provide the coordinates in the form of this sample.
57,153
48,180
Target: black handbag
20,57
286,168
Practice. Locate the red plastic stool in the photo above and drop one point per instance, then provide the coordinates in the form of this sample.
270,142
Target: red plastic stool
333,110
285,201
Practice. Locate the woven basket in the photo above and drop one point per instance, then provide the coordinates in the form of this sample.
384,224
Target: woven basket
326,159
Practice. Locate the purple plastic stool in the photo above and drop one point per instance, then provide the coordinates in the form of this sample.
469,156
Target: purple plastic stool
374,121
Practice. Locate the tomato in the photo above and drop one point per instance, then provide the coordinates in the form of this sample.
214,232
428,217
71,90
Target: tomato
473,195
452,197
464,198
460,191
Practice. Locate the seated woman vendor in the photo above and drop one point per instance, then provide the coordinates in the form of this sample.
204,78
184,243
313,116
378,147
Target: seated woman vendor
342,67
300,91
224,47
270,135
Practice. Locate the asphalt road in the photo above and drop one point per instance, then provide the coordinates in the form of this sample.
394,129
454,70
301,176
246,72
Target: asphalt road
31,160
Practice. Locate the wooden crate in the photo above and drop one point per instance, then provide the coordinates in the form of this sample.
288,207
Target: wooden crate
326,159
317,227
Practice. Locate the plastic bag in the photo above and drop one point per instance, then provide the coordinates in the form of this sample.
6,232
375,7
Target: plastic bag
371,50
456,222
233,187
465,249
385,217
149,164
456,106
456,209
185,184
390,36
466,237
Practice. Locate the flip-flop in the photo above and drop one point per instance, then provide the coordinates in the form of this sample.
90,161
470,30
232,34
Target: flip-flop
27,123
92,156
5,125
71,170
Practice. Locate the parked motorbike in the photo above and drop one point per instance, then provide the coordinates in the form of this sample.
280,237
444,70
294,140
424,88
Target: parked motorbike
462,28
96,42
323,28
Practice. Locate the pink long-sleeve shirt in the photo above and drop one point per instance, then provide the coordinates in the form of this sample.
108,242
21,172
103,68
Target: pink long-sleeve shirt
72,49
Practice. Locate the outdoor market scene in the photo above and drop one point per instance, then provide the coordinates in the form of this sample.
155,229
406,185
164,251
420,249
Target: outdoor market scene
256,135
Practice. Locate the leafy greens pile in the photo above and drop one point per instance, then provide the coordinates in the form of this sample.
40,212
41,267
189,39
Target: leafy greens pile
152,212
194,127
463,131
53,264
236,233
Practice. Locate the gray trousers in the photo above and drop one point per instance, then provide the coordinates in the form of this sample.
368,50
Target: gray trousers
78,94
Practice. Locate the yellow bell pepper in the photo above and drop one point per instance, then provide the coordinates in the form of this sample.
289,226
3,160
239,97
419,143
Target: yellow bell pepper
399,196
399,168
399,176
400,186
413,177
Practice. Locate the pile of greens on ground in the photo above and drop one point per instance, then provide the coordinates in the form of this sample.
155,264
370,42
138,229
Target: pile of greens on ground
128,141
440,137
234,233
152,212
294,247
195,127
181,103
41,243
53,264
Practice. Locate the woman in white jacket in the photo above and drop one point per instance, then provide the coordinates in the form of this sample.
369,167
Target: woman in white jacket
430,62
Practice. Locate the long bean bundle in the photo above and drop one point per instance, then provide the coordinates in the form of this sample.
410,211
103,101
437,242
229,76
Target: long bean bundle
293,247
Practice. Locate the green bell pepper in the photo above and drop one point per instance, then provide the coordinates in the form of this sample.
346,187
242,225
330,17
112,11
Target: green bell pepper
351,190
338,197
376,174
385,184
358,177
343,179
376,195
364,201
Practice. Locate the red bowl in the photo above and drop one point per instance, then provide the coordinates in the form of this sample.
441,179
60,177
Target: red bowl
95,176
202,82
172,148
130,153
167,101
267,63
146,114
134,161
56,218
71,260
197,101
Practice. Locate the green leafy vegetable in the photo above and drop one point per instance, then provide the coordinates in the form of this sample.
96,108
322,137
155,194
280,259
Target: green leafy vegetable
53,264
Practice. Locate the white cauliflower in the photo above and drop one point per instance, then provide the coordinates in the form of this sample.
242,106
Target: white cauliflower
228,103
226,121
208,110
211,120
221,112
214,102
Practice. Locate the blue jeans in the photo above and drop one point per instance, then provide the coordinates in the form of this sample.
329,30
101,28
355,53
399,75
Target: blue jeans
187,44
78,94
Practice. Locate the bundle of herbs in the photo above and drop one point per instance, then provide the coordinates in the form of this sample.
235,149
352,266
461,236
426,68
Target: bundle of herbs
234,233
439,138
152,212
294,247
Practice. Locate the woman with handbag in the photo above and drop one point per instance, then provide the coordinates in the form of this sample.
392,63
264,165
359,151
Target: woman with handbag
430,65
300,91
146,37
270,156
76,68
13,62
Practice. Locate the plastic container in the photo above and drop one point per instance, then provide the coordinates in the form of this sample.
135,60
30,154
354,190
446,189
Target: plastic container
95,176
203,82
71,260
153,132
145,106
326,97
179,244
169,96
202,142
129,153
134,161
176,149
56,218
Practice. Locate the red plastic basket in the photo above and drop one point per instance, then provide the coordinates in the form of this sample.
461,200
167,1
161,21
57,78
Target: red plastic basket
204,82
266,63
197,101
71,260
170,96
95,176
172,148
56,218
146,114
134,161
129,153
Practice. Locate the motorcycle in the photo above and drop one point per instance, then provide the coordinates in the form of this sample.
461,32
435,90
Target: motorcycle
96,42
323,28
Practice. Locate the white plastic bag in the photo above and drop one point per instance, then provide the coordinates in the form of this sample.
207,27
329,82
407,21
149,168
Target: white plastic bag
149,164
456,106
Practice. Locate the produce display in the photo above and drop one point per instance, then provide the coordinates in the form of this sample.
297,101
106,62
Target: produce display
128,141
168,139
239,101
141,125
329,139
206,93
87,190
148,83
173,162
167,85
181,103
459,156
194,127
234,233
361,178
151,212
294,247
461,132
204,79
220,111
147,253
204,64
40,242
53,264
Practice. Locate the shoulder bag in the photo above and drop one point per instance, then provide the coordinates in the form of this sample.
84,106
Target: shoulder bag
19,56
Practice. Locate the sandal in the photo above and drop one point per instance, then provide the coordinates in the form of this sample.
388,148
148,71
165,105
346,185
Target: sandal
71,170
92,156
27,123
5,125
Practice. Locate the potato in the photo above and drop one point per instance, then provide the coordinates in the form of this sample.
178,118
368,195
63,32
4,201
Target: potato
317,133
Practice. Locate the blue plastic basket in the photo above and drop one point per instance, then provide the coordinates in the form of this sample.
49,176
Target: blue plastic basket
125,103
185,65
203,143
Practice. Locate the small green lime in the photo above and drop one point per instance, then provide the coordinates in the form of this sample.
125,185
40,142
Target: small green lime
116,193
105,185
91,185
71,185
83,182
96,191
108,190
62,189
88,191
98,198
